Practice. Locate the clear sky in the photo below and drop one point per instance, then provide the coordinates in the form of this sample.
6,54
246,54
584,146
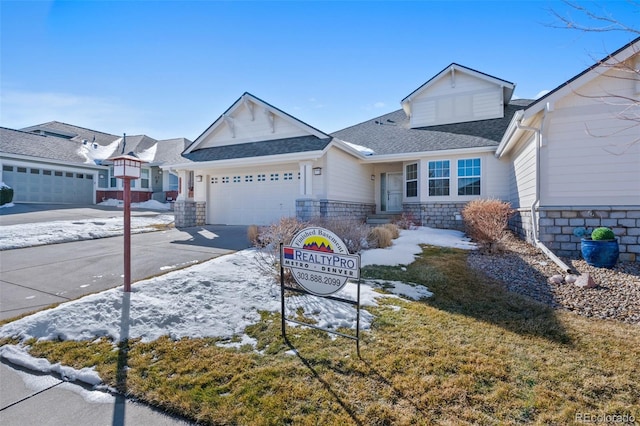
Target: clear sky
170,68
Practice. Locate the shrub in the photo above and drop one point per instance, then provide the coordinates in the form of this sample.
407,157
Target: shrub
269,239
405,221
602,233
486,222
394,229
380,237
352,232
6,194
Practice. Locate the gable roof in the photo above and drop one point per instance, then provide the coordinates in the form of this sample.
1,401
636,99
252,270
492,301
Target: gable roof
75,133
620,55
391,133
508,86
248,97
27,144
569,86
260,149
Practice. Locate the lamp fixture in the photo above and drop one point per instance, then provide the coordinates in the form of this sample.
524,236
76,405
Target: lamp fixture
199,178
317,171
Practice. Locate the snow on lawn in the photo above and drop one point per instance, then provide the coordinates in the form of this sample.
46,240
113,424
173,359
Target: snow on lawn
62,231
218,298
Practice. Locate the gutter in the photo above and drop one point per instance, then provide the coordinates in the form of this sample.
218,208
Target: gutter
534,222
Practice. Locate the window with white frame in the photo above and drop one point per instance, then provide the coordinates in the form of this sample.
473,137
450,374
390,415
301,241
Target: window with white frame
275,176
173,182
237,179
411,180
261,178
469,176
439,178
144,178
248,178
225,179
288,176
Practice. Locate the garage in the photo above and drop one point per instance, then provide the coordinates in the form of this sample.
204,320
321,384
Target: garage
252,197
43,185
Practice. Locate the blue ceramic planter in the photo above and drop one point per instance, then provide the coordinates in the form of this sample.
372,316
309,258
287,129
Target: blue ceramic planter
600,253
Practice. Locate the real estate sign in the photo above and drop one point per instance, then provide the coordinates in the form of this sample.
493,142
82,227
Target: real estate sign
320,261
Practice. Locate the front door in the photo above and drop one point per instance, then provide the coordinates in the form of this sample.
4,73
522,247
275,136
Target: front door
393,192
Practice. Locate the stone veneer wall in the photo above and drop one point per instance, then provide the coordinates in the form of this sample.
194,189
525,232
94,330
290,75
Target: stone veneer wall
556,226
307,209
436,215
189,213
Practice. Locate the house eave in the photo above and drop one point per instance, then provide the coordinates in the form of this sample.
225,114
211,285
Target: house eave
249,161
411,156
5,155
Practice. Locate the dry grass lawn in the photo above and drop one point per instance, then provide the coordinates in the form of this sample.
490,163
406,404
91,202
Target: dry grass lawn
472,354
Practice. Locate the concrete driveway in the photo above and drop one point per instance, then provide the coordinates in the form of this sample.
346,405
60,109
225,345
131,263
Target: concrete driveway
36,277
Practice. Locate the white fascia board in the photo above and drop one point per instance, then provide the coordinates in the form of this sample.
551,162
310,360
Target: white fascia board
250,161
410,156
53,162
509,135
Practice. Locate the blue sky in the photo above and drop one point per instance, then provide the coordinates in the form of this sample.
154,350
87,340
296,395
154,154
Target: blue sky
169,69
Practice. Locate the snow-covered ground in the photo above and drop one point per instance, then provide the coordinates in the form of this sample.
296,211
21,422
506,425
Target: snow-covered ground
218,298
37,234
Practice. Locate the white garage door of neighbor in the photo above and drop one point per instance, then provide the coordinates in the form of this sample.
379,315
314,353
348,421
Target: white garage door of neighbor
252,199
41,185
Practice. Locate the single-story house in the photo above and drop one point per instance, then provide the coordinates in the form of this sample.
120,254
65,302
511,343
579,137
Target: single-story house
61,163
566,161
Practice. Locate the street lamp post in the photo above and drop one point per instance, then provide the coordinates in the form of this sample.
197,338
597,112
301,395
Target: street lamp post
127,167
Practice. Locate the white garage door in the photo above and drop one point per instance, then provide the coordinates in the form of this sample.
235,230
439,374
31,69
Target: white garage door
41,185
250,198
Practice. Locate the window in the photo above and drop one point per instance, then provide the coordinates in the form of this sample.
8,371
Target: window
213,179
35,171
469,176
68,174
236,179
22,170
80,175
288,176
48,172
7,168
144,178
274,176
439,178
261,178
411,179
173,182
248,178
112,180
225,179
57,173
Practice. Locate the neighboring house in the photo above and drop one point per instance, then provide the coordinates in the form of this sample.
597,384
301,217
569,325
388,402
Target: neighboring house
60,163
458,137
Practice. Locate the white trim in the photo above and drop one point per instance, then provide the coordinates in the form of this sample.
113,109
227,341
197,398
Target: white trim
414,156
50,161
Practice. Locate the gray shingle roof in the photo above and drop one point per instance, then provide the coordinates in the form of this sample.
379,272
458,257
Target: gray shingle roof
80,133
259,149
41,147
391,134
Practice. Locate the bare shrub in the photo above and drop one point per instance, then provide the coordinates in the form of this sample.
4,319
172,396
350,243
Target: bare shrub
380,237
352,232
393,228
268,241
405,221
486,222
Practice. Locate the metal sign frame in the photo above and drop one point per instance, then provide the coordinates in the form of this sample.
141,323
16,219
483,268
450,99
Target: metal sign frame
284,319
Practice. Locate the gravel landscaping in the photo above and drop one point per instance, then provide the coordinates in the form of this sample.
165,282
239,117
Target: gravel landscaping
524,269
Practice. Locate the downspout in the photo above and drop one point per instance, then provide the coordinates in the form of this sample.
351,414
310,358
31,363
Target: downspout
536,202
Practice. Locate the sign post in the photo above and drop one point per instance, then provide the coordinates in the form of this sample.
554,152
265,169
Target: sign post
321,265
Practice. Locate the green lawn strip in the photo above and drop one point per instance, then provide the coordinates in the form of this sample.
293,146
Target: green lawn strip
472,354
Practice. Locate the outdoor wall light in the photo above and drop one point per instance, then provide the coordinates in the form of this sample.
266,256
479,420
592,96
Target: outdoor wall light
199,178
373,177
317,171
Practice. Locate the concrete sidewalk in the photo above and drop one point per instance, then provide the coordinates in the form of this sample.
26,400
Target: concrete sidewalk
33,278
28,398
